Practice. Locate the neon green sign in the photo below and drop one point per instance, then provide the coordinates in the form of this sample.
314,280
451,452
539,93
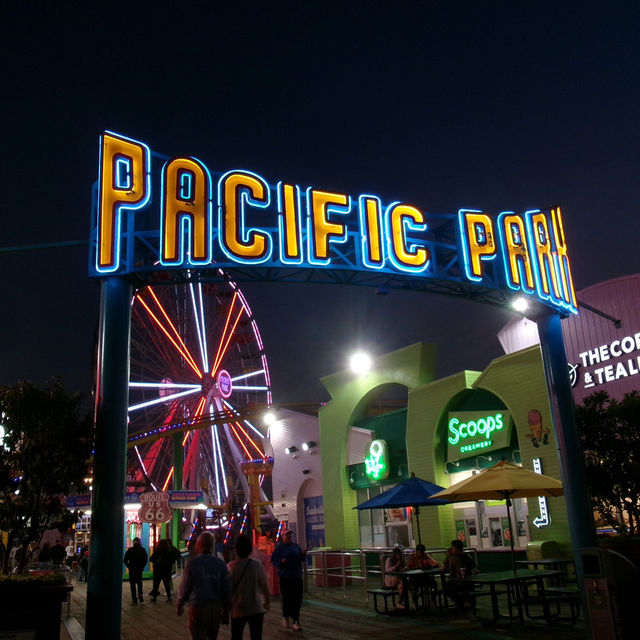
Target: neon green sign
376,463
471,433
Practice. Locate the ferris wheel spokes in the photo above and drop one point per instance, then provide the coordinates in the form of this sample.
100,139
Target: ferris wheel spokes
199,317
168,328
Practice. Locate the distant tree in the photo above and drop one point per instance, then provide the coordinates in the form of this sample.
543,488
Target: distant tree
610,436
45,451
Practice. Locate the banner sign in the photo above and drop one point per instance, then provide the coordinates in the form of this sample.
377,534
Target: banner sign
185,498
152,213
78,502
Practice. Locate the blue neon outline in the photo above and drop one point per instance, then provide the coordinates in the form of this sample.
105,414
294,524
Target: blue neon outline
407,226
188,186
364,237
281,231
565,302
120,207
126,161
466,249
340,209
185,223
246,232
505,262
537,275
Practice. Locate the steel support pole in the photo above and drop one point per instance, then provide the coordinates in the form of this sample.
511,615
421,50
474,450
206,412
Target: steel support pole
178,462
579,507
104,583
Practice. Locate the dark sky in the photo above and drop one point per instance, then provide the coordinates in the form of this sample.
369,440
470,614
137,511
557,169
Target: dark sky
488,105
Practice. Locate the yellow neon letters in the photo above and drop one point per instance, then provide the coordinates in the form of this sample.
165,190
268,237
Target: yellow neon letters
322,231
400,219
524,252
238,188
123,184
545,264
371,230
515,249
478,242
563,271
186,196
289,223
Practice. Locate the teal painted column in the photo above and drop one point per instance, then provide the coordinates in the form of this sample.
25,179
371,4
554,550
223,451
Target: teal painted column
579,507
178,462
104,583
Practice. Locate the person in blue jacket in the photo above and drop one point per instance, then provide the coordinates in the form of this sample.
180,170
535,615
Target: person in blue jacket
287,557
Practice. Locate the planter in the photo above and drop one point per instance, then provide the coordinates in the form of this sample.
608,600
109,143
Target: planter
32,609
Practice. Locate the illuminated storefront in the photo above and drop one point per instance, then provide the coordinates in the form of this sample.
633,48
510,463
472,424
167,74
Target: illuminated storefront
451,428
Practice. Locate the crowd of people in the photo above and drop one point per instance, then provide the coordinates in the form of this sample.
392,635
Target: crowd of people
216,592
456,565
61,553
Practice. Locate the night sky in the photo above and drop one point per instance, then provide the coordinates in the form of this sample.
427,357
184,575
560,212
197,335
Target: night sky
488,105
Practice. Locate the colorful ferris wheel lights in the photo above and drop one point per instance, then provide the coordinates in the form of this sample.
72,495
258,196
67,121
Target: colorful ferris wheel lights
181,349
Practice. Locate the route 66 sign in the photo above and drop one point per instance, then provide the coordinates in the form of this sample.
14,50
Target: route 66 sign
155,507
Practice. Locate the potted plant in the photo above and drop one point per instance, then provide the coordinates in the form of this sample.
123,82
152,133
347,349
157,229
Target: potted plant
32,602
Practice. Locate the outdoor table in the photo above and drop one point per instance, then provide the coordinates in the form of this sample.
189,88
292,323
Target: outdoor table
561,564
516,584
419,574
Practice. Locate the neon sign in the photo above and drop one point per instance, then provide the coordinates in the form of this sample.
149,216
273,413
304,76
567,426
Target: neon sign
376,463
154,213
471,433
544,519
224,383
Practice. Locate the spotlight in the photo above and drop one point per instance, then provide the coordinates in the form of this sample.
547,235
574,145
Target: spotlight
360,363
291,449
306,446
520,304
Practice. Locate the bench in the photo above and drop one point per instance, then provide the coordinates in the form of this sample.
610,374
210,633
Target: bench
556,596
385,593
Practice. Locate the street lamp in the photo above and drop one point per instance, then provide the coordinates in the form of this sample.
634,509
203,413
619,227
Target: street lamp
360,363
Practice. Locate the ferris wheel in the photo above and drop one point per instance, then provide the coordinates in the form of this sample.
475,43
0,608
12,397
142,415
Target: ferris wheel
197,362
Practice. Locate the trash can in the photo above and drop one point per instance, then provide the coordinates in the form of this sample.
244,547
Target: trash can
542,549
610,586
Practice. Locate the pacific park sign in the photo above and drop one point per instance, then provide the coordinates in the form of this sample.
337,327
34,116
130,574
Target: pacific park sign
153,213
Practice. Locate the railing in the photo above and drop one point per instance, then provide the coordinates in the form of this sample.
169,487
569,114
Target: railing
341,568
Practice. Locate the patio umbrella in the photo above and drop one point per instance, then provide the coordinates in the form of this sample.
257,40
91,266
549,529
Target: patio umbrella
413,492
503,481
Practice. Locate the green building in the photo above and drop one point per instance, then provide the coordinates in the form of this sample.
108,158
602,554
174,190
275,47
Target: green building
449,429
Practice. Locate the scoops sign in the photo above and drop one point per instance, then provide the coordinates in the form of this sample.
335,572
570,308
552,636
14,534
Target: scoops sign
155,507
471,433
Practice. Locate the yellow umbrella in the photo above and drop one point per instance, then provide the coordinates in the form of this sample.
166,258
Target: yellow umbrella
502,481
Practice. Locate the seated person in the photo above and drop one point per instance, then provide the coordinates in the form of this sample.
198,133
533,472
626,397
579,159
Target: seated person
395,562
458,565
420,559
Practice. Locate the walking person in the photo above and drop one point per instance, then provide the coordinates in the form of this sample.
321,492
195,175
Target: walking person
287,558
162,560
250,592
206,586
135,559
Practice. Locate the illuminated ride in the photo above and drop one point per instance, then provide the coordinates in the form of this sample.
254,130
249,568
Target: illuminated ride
198,382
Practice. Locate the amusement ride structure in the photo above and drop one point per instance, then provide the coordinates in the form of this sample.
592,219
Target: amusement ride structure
198,384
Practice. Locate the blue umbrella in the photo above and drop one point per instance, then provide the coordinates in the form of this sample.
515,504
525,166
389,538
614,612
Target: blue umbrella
413,492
